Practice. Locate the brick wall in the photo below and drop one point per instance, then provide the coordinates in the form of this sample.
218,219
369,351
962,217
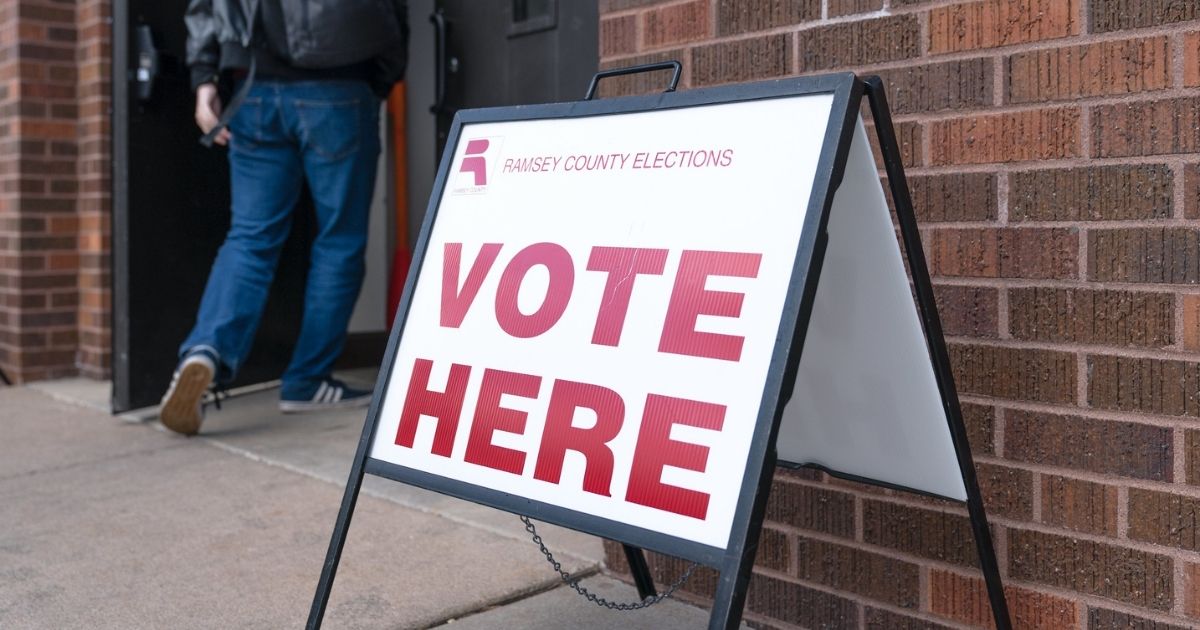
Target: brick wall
1053,149
54,188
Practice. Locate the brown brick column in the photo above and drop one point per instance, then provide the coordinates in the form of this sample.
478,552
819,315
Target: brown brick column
38,336
54,188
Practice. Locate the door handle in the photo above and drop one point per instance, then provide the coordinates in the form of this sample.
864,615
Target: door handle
445,64
439,61
147,55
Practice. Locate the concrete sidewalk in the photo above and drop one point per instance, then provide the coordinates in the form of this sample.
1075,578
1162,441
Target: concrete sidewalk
106,523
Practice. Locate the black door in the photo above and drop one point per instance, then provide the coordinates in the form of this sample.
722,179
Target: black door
485,53
515,52
170,214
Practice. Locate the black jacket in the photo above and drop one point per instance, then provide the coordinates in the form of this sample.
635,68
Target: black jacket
321,35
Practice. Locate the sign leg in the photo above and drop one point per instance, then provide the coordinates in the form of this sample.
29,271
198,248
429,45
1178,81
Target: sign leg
334,555
640,571
937,347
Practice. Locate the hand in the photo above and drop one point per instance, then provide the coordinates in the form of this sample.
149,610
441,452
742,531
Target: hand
208,112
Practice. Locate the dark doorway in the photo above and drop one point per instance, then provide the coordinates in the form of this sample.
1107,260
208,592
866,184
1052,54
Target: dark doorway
171,196
170,214
486,53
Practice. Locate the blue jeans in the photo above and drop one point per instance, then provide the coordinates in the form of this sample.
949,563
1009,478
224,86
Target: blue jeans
285,132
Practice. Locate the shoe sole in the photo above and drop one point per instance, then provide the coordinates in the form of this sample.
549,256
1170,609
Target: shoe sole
181,411
287,406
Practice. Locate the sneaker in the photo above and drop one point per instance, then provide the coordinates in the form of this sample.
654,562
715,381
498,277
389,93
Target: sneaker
181,409
328,394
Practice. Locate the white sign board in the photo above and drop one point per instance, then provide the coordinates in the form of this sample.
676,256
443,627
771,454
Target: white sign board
595,313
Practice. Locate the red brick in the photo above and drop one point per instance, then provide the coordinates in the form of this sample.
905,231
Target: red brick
55,281
1160,127
774,550
1034,253
48,14
1192,460
1154,386
47,91
1079,505
612,6
1159,255
799,605
1165,519
839,8
28,341
618,36
815,509
49,359
1104,619
932,87
63,262
1014,373
1105,447
1006,491
1119,15
1127,575
31,32
967,311
47,319
870,575
1086,316
675,24
995,23
954,197
1191,59
48,243
29,52
964,599
46,129
742,60
980,421
744,16
1098,193
71,299
1191,605
1042,134
858,43
1191,190
926,533
877,618
1100,69
63,35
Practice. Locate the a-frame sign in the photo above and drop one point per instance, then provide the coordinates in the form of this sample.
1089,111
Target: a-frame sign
626,312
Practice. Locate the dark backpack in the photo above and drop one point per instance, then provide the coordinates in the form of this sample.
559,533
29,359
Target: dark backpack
331,33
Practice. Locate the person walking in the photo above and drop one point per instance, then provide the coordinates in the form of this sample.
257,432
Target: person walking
308,78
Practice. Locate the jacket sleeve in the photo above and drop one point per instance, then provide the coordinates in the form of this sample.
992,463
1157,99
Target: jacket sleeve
390,64
203,49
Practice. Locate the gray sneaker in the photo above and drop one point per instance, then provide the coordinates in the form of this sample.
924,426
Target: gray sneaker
327,394
181,409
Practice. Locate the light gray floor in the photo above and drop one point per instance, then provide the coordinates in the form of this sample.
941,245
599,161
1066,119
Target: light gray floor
106,523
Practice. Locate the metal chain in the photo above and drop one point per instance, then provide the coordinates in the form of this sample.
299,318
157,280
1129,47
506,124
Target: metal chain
573,582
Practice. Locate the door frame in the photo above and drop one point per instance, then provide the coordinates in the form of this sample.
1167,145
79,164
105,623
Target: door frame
119,219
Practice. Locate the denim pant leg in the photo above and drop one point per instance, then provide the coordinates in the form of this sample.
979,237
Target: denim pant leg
265,183
338,127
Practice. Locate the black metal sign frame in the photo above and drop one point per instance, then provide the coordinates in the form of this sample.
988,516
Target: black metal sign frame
735,561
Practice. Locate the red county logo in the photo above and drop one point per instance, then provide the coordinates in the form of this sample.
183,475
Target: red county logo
471,176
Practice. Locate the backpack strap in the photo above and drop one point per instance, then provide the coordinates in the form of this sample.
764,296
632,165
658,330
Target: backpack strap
235,103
